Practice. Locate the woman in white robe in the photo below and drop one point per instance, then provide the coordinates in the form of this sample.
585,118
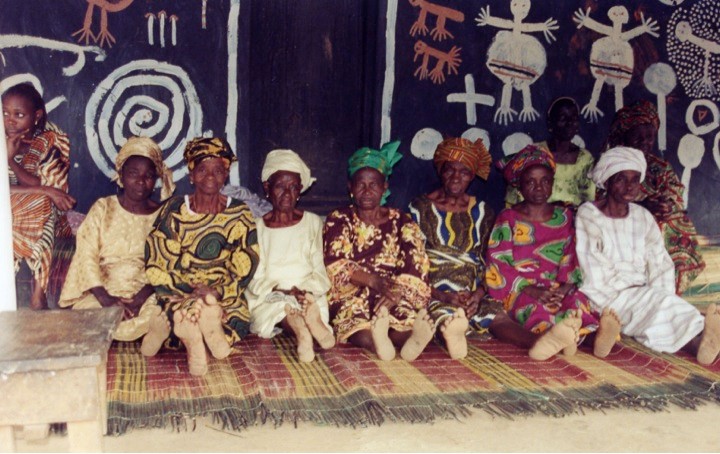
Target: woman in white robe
628,270
290,284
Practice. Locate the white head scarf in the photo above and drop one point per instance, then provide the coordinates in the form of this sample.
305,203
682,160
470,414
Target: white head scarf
288,161
616,160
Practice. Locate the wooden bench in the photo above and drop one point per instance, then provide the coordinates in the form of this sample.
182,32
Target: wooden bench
53,367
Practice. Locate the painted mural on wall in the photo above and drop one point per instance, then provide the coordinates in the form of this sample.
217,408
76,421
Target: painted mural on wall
604,55
130,69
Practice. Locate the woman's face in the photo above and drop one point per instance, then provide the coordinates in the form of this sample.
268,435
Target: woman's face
624,186
536,184
367,187
283,190
138,176
565,123
456,177
641,137
19,115
209,175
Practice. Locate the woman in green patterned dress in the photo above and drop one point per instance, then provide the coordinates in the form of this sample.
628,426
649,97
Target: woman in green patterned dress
200,256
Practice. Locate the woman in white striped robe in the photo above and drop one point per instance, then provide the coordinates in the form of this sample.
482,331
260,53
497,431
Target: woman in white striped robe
628,270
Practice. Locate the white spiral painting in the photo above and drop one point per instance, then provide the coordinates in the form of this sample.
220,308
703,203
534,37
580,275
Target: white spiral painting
143,98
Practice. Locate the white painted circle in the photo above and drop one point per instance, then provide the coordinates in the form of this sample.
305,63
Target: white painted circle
672,2
148,98
515,142
579,141
660,79
424,143
474,134
690,117
690,151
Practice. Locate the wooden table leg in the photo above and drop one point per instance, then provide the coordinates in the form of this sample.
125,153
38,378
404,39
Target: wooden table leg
7,439
85,436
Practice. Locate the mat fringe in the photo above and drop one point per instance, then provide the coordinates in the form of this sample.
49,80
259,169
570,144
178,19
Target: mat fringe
373,411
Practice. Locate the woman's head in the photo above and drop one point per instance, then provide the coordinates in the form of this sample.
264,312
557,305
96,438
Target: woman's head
458,161
379,161
563,119
368,187
208,160
635,126
620,162
285,175
23,108
137,178
138,149
515,165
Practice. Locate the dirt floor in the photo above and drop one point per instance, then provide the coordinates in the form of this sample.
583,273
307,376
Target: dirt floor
676,430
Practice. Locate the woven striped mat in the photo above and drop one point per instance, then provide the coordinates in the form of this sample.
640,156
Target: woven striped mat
262,381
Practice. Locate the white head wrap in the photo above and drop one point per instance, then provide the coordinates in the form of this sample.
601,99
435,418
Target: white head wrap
288,161
616,160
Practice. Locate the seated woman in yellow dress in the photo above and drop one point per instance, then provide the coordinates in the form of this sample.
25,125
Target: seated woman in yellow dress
200,257
108,268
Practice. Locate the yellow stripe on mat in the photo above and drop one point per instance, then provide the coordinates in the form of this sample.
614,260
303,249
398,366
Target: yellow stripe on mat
314,379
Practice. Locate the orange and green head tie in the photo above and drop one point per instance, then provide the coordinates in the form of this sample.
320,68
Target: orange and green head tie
513,166
207,147
473,155
640,113
382,160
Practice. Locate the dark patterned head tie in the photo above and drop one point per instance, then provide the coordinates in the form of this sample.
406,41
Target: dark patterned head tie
207,147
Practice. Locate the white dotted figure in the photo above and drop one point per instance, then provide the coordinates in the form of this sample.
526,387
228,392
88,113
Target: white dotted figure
693,48
611,57
705,86
517,59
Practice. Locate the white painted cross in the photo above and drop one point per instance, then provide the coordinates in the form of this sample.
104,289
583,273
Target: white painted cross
470,98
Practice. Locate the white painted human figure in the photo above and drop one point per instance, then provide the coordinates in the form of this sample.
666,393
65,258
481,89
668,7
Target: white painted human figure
517,59
611,57
705,87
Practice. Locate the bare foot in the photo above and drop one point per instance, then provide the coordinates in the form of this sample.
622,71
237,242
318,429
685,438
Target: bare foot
607,333
210,323
422,333
557,338
379,327
574,319
304,339
157,333
188,331
320,332
453,330
710,343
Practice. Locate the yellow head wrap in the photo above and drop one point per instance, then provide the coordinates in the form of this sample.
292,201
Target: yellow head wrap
147,148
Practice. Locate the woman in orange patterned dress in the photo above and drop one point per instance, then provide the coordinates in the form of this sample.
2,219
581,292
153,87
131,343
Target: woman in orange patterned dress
39,160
